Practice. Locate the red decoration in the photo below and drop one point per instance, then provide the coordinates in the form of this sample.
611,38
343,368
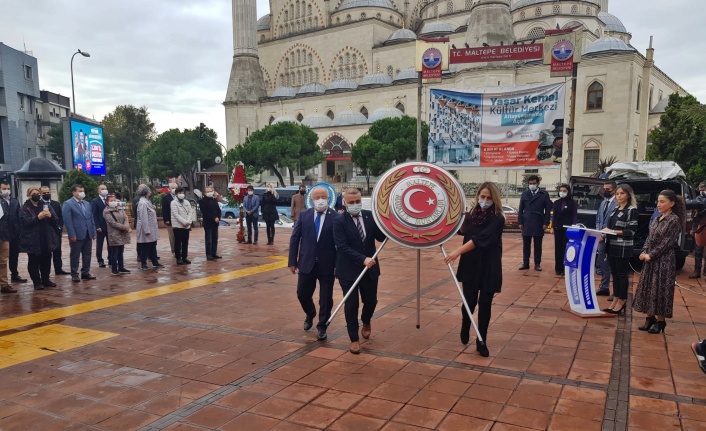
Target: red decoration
238,189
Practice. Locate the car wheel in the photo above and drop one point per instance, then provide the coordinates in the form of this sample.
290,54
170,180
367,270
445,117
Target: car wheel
230,216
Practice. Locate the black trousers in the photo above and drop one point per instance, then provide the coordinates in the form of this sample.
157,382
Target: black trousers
368,289
484,300
306,285
148,250
619,267
698,258
560,241
270,226
100,238
251,222
526,244
58,261
39,267
115,256
14,256
211,239
81,249
181,243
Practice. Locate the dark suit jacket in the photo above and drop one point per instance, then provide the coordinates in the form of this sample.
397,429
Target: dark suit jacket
304,250
56,206
166,208
97,207
13,221
5,221
350,248
534,212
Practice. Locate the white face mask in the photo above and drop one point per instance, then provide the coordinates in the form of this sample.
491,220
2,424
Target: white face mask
113,204
82,195
485,203
533,187
562,195
104,192
250,192
354,209
5,193
209,194
180,196
172,191
321,204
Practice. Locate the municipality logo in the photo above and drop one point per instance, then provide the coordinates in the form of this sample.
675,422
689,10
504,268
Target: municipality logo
431,58
563,50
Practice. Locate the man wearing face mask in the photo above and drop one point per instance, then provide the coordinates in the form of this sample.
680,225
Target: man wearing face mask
533,219
97,207
56,206
182,216
298,203
355,233
5,235
211,216
602,218
251,204
312,251
14,225
699,220
81,230
167,212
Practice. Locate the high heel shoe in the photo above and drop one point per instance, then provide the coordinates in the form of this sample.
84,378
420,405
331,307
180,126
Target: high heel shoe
659,327
619,311
649,322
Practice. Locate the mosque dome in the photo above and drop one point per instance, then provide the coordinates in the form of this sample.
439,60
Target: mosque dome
284,92
524,3
401,35
349,118
350,4
316,121
312,88
377,78
285,119
612,23
410,73
264,22
606,44
386,112
436,28
342,84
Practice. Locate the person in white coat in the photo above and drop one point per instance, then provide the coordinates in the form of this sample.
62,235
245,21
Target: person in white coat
182,217
147,228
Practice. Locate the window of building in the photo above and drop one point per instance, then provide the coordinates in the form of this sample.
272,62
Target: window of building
522,15
591,158
652,90
538,11
595,97
400,106
348,17
468,4
364,111
531,171
28,72
300,117
536,33
271,119
389,71
330,114
556,9
363,16
588,11
639,92
661,95
574,10
449,6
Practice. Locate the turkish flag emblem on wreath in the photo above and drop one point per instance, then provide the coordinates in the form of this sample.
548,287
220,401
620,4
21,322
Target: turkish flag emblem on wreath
238,187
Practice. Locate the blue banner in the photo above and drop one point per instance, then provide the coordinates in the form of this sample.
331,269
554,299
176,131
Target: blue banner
87,147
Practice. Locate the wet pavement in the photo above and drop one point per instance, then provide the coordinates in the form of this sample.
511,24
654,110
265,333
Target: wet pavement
220,345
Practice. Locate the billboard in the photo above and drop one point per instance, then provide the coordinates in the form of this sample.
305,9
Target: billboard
520,127
87,150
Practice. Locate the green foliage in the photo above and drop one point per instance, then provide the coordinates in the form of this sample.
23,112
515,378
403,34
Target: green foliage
75,176
401,135
55,144
681,137
176,152
371,156
282,145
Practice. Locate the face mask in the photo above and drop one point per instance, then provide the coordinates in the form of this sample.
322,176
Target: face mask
562,195
113,204
320,204
533,187
485,204
354,209
180,196
250,192
104,192
35,198
5,193
209,194
46,197
302,192
607,194
81,195
703,192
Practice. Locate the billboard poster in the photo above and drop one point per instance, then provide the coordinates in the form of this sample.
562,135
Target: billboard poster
520,127
87,147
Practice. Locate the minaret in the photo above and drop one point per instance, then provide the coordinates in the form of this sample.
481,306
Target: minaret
246,84
603,4
490,23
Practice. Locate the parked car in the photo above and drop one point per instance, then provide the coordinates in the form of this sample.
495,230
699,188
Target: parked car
587,192
511,215
229,212
283,221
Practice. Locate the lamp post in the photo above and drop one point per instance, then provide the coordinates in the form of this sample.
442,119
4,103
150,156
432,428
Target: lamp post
73,94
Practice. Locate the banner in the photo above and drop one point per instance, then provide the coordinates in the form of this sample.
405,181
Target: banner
484,54
516,128
87,147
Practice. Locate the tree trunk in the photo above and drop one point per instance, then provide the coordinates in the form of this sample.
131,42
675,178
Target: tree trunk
291,176
367,180
279,176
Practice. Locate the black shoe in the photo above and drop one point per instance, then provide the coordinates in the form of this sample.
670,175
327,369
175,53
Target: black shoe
75,279
7,289
18,279
465,331
88,277
157,265
603,292
215,256
210,258
144,268
124,271
114,272
619,311
308,323
254,242
659,327
38,286
524,266
101,264
180,262
537,267
482,349
61,272
560,274
159,258
649,322
248,242
48,284
187,262
321,336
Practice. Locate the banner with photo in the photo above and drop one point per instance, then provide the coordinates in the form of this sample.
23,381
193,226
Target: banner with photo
523,126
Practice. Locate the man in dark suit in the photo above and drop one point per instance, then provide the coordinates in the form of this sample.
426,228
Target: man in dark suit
211,217
14,224
81,229
167,212
312,250
533,219
97,207
56,206
5,236
355,233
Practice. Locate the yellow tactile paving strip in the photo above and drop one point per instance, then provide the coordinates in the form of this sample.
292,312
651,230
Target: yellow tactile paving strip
47,340
72,310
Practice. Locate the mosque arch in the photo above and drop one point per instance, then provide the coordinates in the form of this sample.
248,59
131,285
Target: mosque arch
300,61
355,65
296,16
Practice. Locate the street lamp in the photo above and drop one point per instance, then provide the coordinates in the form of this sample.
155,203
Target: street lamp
73,95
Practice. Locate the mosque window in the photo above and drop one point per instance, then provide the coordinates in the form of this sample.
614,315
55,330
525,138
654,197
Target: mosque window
316,74
661,94
400,106
468,4
299,78
595,97
536,33
300,117
651,92
588,11
556,9
449,6
354,58
391,19
378,15
639,93
591,158
338,20
335,75
305,77
316,22
348,17
330,114
364,111
308,10
538,11
389,71
522,15
340,61
574,10
361,71
271,119
436,11
348,58
397,72
363,16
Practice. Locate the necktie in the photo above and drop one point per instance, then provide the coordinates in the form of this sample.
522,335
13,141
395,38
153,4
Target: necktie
605,210
83,208
359,225
317,224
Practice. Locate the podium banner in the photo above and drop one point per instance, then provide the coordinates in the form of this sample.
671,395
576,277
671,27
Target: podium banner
579,270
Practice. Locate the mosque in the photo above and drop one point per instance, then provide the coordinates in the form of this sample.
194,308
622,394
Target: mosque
339,65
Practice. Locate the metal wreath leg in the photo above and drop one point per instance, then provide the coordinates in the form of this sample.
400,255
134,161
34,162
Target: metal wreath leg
463,298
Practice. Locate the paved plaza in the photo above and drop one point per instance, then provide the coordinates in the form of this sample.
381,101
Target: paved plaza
220,346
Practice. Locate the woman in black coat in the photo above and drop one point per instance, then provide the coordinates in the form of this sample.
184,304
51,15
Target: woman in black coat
480,268
269,212
564,213
39,237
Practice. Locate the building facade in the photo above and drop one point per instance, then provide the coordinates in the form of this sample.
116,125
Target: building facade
50,109
338,66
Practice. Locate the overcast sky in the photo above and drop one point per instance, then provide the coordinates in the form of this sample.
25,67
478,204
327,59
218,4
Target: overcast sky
174,56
